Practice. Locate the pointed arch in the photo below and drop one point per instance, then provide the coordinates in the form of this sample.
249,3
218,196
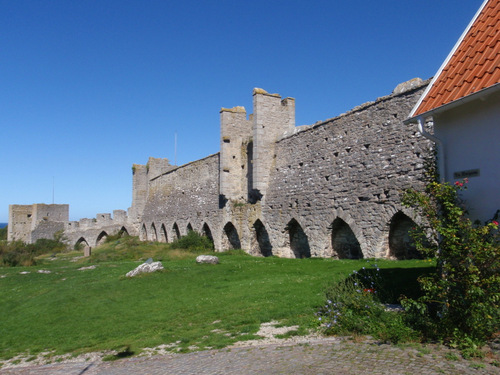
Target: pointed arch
297,240
230,237
153,234
189,227
261,245
82,244
401,245
101,238
205,231
143,234
177,232
123,232
345,245
163,234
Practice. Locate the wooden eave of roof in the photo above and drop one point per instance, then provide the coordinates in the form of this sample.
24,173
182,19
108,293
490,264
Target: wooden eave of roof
472,66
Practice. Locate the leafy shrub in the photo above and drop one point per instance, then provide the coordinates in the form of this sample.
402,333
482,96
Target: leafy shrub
116,237
18,253
461,301
3,234
193,241
353,307
124,247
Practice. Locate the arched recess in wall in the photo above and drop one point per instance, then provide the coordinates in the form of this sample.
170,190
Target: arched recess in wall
261,245
101,238
82,245
345,245
230,238
153,234
297,240
163,234
205,231
143,234
401,245
189,227
177,232
123,232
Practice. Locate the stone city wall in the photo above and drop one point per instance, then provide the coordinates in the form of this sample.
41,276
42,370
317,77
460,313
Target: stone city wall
345,175
331,189
183,198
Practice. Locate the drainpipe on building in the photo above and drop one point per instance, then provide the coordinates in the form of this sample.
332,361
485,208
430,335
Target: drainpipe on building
439,146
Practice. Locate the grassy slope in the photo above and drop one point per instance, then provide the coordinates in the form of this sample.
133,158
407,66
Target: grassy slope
71,311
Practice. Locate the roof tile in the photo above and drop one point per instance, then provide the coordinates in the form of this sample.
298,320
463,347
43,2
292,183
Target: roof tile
474,65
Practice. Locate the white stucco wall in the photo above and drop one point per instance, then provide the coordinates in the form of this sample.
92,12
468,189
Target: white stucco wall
471,140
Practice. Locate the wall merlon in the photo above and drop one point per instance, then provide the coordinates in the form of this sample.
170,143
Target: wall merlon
120,215
103,218
259,91
157,166
238,109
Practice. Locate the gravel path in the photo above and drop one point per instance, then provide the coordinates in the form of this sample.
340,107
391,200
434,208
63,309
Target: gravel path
306,356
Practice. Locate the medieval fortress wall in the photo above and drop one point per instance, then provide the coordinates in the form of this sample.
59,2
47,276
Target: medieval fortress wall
331,189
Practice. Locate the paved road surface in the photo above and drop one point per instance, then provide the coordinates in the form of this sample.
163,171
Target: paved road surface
326,356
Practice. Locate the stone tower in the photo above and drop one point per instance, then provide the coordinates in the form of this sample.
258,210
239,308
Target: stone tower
272,118
235,159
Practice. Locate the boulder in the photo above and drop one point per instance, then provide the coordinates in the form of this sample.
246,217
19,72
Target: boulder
210,259
145,268
408,85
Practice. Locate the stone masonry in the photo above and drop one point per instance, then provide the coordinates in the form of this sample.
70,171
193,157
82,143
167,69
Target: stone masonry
331,189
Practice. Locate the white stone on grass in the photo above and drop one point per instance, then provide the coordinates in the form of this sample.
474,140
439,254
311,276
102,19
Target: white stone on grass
87,268
211,259
145,268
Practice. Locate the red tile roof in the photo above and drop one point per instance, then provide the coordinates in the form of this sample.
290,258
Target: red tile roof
472,66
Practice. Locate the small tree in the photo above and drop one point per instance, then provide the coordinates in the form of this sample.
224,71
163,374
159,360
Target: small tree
461,300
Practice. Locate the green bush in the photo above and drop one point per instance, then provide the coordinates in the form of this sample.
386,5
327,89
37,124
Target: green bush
354,307
461,301
3,234
116,237
193,241
18,253
124,247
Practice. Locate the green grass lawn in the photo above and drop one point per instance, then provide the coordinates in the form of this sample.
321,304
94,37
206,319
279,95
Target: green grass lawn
204,306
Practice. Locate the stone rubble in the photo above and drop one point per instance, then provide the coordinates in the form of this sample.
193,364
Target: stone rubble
145,268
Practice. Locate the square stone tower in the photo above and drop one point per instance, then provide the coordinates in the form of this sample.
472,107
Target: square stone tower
235,154
272,118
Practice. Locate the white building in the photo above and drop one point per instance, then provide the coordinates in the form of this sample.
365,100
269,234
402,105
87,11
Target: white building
463,100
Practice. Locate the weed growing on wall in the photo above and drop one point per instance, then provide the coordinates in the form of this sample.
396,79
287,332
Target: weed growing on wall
461,301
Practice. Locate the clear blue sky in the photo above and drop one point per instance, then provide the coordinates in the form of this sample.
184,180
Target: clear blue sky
87,88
